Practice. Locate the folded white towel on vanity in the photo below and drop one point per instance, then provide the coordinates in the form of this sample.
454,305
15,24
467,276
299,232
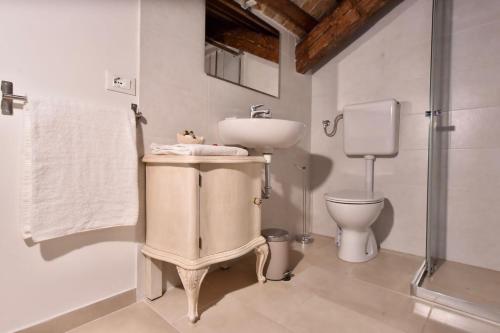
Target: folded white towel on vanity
197,150
80,169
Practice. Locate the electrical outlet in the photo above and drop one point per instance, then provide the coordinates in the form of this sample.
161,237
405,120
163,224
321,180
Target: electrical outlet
122,83
119,83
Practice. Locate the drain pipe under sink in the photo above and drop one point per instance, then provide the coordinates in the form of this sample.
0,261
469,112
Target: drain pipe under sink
266,192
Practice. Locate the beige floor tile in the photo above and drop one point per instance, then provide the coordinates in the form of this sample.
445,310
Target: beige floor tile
323,254
274,299
394,309
390,270
471,283
172,305
320,315
217,285
222,283
298,263
138,317
325,294
444,321
231,316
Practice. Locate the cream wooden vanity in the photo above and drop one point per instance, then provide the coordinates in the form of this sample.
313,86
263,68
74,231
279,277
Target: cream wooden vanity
201,210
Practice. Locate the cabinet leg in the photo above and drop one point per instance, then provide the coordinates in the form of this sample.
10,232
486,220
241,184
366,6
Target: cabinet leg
153,278
262,252
191,280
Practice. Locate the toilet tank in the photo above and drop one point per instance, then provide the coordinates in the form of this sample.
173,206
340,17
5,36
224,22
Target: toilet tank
372,128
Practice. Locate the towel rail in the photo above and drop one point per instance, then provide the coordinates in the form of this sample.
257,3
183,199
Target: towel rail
134,107
8,98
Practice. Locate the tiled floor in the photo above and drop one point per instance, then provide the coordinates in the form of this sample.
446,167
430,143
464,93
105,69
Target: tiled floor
467,282
325,295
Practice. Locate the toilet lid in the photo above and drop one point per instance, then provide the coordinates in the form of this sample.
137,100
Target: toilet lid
354,197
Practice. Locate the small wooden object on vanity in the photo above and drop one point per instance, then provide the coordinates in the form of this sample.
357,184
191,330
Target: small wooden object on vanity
201,210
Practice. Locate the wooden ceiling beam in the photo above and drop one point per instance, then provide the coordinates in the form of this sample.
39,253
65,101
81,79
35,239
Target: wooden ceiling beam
291,12
230,11
247,40
335,31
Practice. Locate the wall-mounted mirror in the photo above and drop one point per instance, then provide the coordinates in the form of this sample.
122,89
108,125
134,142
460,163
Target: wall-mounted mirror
241,48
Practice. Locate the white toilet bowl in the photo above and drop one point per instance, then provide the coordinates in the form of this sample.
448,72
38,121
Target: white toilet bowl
354,212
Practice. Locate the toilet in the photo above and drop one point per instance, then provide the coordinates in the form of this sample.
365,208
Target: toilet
370,130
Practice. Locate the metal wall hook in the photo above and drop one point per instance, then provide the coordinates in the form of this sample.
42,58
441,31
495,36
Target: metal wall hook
8,98
135,108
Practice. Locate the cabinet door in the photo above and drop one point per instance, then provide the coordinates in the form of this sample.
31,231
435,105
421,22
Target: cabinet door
229,218
172,208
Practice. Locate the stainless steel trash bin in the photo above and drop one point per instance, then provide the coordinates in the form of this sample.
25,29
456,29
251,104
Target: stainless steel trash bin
278,266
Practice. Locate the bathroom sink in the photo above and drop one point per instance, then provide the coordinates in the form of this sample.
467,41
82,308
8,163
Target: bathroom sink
261,133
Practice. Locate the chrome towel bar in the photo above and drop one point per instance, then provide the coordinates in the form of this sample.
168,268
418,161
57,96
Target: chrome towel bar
135,109
8,98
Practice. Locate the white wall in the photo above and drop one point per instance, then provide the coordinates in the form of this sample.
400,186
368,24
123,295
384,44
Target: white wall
392,60
176,94
60,48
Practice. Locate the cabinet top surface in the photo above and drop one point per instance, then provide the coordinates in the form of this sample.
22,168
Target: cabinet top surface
153,159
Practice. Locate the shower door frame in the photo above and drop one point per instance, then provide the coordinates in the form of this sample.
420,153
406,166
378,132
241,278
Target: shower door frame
435,114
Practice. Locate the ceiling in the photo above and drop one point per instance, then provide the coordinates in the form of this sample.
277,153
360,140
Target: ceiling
323,27
227,24
315,9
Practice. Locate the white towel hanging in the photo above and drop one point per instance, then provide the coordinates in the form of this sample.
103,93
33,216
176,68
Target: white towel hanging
80,170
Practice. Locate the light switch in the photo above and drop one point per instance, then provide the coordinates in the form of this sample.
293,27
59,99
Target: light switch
119,83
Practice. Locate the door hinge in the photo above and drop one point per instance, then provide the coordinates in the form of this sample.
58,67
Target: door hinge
199,180
199,242
435,113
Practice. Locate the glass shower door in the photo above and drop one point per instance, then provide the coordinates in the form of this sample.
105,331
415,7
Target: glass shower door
462,265
438,135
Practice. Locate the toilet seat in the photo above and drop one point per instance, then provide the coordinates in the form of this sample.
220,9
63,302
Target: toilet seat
355,197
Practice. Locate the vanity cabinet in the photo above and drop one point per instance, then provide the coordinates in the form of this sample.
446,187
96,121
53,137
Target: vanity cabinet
201,210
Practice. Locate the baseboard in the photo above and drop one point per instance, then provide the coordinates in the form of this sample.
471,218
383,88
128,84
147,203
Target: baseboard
83,315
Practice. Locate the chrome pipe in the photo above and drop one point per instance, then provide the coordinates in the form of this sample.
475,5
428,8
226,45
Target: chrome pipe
326,124
369,167
266,192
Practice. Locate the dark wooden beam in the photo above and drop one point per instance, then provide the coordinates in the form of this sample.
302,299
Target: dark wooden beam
291,12
318,8
337,30
243,39
228,24
230,11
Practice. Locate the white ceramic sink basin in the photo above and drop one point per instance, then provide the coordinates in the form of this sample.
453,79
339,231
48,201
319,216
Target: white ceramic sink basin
261,133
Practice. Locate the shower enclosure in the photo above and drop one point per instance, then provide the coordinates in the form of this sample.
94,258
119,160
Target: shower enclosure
462,259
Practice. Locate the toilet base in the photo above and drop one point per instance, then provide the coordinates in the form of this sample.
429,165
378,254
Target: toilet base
357,246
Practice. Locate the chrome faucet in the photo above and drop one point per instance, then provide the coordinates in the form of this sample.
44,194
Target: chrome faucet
256,113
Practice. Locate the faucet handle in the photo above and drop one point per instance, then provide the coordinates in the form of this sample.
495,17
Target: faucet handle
255,107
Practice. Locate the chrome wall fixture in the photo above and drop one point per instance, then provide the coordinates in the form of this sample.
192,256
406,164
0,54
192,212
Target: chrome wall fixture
8,98
135,109
326,124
